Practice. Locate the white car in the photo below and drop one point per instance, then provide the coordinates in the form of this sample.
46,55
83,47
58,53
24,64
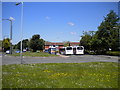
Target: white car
24,50
8,52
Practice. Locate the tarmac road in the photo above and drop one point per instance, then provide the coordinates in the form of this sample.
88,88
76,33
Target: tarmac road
61,59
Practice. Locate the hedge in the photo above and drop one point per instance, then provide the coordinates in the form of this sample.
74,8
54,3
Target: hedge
113,53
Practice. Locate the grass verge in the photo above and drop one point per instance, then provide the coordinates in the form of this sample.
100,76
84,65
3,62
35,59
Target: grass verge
113,53
34,54
61,75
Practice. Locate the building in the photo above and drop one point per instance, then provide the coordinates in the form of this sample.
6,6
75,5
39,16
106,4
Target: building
59,44
56,44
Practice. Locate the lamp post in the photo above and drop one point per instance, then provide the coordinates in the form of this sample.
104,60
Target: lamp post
21,28
10,19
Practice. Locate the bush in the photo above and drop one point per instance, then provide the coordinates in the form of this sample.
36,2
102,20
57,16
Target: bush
113,53
86,52
91,52
38,51
31,50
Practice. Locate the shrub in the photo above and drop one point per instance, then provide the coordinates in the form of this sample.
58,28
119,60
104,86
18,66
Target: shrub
113,53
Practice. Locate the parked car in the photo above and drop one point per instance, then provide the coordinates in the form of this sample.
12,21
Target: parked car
46,50
24,50
17,51
8,52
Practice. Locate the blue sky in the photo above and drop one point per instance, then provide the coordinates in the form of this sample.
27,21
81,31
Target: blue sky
56,22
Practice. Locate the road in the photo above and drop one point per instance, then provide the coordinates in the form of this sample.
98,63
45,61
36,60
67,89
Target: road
66,59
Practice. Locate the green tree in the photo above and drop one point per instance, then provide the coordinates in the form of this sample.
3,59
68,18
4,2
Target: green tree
85,40
6,44
66,43
15,46
108,32
1,46
106,37
95,44
36,43
25,44
18,46
42,43
0,43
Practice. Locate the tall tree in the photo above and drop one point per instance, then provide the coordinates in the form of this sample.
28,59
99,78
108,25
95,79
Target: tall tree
36,43
108,31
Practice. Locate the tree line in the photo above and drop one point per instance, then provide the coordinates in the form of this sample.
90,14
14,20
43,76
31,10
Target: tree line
105,38
33,44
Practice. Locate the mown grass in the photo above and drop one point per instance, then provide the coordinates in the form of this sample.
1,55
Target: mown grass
33,54
113,53
61,75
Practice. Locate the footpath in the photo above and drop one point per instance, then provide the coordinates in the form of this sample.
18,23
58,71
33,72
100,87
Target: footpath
62,55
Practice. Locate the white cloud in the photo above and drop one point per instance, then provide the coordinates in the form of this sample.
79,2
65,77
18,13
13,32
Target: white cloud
47,18
71,23
73,33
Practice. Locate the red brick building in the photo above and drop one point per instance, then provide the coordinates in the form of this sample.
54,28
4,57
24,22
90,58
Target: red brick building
59,44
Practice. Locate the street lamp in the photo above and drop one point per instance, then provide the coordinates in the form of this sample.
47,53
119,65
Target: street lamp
10,19
21,27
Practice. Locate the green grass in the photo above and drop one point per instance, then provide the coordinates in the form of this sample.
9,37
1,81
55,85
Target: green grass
33,54
61,75
113,53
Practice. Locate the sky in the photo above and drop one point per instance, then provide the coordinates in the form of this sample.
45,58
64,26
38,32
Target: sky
54,21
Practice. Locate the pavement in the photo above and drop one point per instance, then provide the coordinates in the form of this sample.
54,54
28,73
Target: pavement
61,59
62,55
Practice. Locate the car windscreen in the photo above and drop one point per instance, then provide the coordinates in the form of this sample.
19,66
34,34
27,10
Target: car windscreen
54,49
69,48
79,48
62,49
46,50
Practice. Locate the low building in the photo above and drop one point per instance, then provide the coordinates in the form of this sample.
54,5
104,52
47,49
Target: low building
59,45
74,43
